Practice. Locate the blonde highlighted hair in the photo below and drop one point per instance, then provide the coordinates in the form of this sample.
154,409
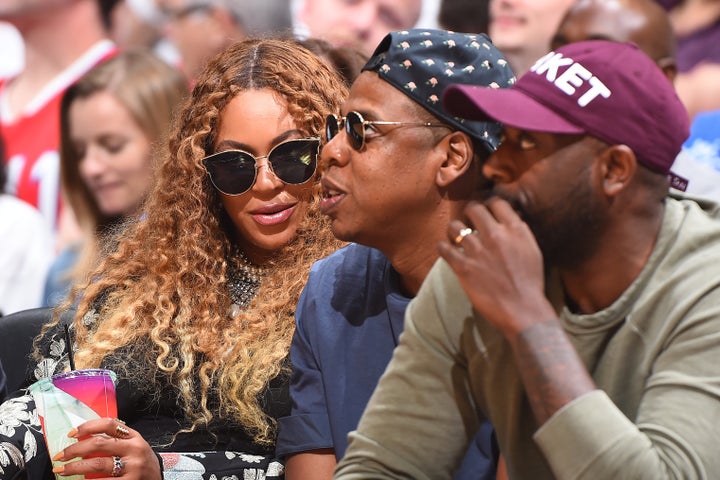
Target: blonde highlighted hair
166,284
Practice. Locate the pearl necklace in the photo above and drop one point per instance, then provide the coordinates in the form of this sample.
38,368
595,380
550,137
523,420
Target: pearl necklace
243,280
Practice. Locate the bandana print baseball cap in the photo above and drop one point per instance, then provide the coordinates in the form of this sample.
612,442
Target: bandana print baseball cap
611,91
422,63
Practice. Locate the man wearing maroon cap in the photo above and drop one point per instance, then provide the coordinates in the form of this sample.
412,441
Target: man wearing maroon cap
578,307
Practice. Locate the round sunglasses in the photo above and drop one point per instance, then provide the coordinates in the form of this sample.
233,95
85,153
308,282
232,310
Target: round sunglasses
293,162
355,126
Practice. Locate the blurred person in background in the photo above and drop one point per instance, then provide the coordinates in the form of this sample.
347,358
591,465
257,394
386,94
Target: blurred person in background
113,125
139,24
200,30
26,252
11,60
696,24
472,16
523,29
359,24
62,40
703,148
266,17
642,22
347,61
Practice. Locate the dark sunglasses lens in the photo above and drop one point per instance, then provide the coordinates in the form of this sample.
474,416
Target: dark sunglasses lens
331,127
295,161
355,129
231,172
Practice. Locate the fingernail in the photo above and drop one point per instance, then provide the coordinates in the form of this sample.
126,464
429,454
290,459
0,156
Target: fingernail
59,469
72,433
58,456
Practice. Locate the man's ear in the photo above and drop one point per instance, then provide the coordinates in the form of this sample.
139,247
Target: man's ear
457,150
618,165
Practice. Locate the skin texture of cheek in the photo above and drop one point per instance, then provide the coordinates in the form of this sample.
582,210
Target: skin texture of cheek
567,229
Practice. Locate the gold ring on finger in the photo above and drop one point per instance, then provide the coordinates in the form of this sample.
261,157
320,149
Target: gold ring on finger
462,234
121,431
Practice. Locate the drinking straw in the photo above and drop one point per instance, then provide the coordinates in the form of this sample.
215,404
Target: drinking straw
70,347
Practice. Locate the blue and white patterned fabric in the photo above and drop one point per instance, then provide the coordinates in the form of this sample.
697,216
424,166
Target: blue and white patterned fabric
23,454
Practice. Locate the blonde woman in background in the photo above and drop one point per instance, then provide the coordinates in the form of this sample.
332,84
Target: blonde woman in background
112,121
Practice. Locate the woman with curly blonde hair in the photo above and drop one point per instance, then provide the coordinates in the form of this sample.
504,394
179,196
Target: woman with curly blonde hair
194,308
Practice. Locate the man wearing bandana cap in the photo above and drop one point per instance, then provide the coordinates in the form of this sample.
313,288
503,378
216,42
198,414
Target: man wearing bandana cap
578,308
392,181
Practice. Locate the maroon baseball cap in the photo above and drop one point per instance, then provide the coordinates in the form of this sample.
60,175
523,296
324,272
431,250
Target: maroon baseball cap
608,90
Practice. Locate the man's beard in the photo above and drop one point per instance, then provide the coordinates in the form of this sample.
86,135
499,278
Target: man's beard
568,231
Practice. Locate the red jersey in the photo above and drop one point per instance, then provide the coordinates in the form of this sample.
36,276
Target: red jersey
32,137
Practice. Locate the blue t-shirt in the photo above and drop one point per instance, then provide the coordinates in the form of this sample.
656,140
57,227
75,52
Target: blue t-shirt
349,318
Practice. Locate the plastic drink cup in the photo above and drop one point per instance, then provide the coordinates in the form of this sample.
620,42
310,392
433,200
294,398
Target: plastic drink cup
69,399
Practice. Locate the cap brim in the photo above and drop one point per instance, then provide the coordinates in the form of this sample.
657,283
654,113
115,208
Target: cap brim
510,106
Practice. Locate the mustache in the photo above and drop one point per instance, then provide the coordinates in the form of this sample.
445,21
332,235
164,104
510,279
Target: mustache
486,189
491,191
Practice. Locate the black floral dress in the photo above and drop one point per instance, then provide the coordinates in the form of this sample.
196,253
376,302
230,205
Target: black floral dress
224,450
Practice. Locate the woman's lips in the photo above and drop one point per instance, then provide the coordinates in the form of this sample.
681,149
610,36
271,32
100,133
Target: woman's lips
273,214
503,22
105,190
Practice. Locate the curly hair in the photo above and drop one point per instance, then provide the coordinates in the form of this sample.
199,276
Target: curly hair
167,279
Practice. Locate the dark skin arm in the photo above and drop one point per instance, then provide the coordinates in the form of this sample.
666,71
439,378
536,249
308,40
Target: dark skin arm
501,269
315,464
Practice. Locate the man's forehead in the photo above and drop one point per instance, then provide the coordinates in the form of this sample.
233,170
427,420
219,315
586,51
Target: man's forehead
369,93
547,137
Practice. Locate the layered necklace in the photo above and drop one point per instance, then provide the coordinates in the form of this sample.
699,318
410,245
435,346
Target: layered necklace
243,280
